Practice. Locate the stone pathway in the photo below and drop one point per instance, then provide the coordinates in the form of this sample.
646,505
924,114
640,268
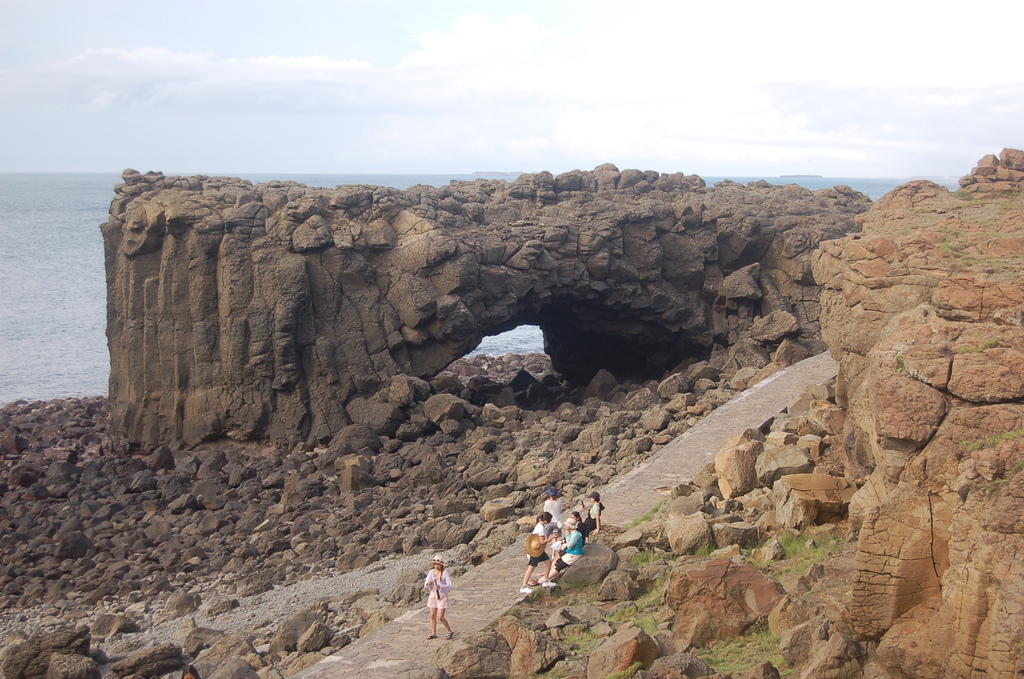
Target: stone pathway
485,592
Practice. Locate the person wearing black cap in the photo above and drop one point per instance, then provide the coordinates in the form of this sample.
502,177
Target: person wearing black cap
592,523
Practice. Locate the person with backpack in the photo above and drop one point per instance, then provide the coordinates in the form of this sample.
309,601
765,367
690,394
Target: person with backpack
592,521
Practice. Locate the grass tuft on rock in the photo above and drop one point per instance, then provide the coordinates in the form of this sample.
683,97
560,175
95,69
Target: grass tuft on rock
740,654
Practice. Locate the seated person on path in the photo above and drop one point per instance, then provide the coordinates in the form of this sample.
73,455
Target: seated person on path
536,548
573,551
578,521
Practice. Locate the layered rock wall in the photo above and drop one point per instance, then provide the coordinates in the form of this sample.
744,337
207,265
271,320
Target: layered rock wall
282,311
923,311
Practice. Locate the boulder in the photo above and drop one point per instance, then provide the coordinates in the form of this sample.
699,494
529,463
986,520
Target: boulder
150,662
618,586
181,603
532,653
597,562
734,464
805,499
619,652
680,666
71,666
790,612
110,624
738,533
775,326
774,462
290,630
30,659
484,655
841,657
797,643
715,598
687,534
233,668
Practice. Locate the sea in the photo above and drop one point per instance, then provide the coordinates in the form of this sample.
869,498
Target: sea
52,288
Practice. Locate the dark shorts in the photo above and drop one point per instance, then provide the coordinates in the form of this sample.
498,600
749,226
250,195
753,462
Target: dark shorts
536,560
560,565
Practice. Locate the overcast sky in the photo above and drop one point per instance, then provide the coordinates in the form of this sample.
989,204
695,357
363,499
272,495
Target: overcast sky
862,89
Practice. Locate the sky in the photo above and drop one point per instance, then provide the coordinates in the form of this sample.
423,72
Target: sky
898,88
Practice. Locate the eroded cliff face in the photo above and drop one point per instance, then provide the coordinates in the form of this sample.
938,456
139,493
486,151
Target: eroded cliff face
283,312
923,311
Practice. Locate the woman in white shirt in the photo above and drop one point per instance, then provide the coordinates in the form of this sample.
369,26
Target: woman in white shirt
553,506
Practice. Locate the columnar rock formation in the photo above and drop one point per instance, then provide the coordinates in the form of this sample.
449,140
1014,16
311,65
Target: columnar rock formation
282,311
923,310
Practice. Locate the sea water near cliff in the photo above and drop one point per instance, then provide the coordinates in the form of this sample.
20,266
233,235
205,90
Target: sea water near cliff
52,289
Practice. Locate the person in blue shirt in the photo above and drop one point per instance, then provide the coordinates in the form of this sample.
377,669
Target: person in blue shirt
573,551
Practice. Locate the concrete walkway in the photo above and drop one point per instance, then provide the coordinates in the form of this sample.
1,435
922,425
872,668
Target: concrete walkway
487,591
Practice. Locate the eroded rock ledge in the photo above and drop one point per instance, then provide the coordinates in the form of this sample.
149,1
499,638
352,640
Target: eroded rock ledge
923,311
284,312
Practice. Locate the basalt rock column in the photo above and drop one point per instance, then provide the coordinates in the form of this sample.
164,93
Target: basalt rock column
280,311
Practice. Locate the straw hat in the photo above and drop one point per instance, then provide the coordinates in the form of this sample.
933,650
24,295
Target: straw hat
534,545
437,559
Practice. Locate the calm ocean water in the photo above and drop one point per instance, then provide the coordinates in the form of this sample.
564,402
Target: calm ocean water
52,290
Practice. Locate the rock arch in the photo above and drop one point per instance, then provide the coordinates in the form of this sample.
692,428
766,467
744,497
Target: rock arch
270,310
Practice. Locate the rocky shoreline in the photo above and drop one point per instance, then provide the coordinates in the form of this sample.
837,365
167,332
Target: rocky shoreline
918,441
92,529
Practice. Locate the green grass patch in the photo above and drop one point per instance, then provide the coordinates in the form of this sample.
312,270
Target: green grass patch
740,654
627,673
648,557
652,597
647,516
900,363
578,640
800,556
703,550
987,344
991,441
555,672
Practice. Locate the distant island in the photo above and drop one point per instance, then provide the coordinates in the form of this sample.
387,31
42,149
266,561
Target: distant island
798,176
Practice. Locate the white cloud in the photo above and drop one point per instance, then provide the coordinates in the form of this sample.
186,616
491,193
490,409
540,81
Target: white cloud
475,41
664,85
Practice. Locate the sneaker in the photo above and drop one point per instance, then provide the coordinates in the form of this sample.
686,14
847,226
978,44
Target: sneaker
526,590
548,583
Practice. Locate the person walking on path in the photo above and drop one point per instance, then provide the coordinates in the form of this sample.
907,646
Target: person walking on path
439,583
536,546
592,523
553,506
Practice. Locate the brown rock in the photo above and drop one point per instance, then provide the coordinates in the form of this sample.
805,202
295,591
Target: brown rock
715,599
484,655
532,653
688,533
306,303
618,652
31,658
734,464
150,662
71,666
